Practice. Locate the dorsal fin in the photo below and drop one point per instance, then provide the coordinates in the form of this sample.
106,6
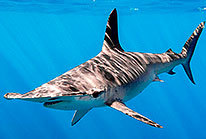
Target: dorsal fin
111,40
169,50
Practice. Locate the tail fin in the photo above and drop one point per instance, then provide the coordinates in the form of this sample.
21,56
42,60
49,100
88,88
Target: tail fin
188,50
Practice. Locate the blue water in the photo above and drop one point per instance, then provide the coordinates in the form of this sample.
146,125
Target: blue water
41,39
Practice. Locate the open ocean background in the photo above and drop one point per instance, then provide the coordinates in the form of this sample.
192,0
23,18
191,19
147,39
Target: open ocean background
42,39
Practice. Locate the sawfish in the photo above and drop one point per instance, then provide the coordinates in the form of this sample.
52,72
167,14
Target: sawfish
111,78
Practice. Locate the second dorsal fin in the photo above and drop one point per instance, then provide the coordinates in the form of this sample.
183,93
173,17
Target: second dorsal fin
111,40
169,51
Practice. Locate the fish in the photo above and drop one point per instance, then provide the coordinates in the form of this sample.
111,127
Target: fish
111,78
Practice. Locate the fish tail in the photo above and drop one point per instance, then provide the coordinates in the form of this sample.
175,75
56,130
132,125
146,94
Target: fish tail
188,50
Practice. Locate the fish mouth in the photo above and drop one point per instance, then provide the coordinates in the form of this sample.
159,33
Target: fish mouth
52,103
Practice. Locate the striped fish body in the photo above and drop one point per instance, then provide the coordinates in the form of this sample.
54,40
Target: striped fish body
111,78
132,72
117,75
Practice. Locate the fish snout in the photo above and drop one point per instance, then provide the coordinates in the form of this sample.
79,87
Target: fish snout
10,96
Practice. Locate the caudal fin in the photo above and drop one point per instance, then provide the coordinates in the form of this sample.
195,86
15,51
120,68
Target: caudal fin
188,50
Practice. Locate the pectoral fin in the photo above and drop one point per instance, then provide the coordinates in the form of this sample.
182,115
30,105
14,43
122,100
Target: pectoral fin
78,115
120,106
